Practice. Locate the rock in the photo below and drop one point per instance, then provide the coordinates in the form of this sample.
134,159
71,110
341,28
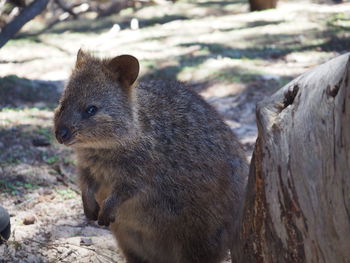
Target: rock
40,141
5,226
86,241
47,192
29,220
4,218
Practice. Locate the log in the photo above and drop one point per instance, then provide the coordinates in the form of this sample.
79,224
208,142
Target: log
297,207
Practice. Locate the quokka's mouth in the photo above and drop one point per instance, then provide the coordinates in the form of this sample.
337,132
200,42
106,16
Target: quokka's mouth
73,140
70,143
66,137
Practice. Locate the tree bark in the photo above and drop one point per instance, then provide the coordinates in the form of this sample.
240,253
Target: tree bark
257,5
27,14
297,206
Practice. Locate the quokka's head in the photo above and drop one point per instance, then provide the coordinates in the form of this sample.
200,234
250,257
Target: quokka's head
95,109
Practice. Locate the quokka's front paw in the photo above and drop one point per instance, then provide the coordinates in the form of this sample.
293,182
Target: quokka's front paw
107,212
91,207
91,213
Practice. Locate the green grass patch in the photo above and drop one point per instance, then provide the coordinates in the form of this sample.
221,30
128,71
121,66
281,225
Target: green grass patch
45,132
51,160
16,187
66,194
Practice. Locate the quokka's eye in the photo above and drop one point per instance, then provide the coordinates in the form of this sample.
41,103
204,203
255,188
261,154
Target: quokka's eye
91,110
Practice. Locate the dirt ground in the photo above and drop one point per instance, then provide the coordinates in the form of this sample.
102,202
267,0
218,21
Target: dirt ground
230,56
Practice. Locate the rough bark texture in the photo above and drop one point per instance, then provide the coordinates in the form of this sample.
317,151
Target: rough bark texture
27,14
297,206
257,5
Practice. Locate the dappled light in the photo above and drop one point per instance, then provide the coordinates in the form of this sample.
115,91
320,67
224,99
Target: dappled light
230,56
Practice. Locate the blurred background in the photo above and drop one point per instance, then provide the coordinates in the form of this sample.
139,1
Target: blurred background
233,52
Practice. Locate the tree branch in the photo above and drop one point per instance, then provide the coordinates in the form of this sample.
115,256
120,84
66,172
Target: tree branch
27,14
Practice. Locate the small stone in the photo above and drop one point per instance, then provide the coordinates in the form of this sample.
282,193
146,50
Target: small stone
40,142
86,241
47,192
29,220
18,201
115,29
134,24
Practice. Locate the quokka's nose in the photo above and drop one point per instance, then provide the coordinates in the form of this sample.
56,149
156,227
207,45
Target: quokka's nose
63,135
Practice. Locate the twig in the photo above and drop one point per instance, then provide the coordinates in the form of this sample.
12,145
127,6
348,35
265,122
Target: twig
68,245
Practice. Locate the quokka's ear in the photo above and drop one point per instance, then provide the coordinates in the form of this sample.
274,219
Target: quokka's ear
82,57
126,68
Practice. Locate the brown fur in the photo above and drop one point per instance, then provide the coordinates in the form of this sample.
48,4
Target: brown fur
155,161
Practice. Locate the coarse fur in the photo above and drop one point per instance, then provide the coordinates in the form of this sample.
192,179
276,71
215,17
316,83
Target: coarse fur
155,162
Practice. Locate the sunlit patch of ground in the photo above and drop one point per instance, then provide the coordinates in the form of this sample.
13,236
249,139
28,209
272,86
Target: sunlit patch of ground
37,180
233,58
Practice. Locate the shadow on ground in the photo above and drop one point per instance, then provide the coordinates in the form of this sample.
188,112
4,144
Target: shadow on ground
22,92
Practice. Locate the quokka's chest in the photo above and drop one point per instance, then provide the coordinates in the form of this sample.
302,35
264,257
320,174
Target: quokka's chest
104,172
101,168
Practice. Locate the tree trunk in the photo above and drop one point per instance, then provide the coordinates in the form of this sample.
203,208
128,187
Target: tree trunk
257,5
27,14
297,207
